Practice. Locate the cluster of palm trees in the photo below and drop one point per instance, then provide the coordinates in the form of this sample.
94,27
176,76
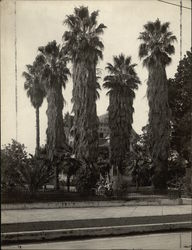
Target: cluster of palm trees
83,48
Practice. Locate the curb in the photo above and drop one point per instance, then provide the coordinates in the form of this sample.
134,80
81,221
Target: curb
50,205
91,232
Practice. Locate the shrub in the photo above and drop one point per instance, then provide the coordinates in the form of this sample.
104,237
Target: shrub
13,157
86,178
123,188
37,174
19,171
69,166
176,170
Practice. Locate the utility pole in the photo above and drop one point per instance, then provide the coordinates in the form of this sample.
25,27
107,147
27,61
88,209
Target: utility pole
181,12
16,102
181,29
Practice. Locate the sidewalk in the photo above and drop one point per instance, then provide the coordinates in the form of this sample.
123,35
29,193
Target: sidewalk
36,215
37,224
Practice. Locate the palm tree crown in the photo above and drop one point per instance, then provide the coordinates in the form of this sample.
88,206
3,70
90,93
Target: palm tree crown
33,86
82,40
122,77
121,82
54,70
157,44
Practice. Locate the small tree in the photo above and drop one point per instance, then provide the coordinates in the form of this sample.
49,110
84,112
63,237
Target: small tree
69,166
86,178
176,170
139,163
13,157
21,171
180,101
38,173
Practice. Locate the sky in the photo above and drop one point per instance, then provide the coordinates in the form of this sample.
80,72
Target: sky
38,22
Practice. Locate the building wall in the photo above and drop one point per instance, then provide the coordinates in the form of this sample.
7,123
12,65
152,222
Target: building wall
103,131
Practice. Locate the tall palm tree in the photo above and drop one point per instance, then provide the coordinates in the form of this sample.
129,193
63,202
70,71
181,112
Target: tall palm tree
82,43
122,81
54,75
155,50
36,93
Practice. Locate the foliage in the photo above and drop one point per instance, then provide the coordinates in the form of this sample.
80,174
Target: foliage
180,101
123,189
20,171
157,44
103,166
70,166
86,178
155,50
53,65
104,188
82,39
83,45
139,163
37,173
13,157
33,86
176,170
121,82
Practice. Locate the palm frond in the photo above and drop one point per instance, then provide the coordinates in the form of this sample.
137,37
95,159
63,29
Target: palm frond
41,49
170,49
100,29
122,74
128,61
157,40
149,27
143,50
93,18
70,21
81,12
145,36
96,43
110,68
82,39
98,86
164,27
157,25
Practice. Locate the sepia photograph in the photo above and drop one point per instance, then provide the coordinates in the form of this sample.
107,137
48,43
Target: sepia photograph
96,124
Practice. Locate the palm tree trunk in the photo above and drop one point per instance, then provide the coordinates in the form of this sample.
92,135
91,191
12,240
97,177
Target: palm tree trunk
56,140
68,183
56,175
85,120
120,124
37,132
159,124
